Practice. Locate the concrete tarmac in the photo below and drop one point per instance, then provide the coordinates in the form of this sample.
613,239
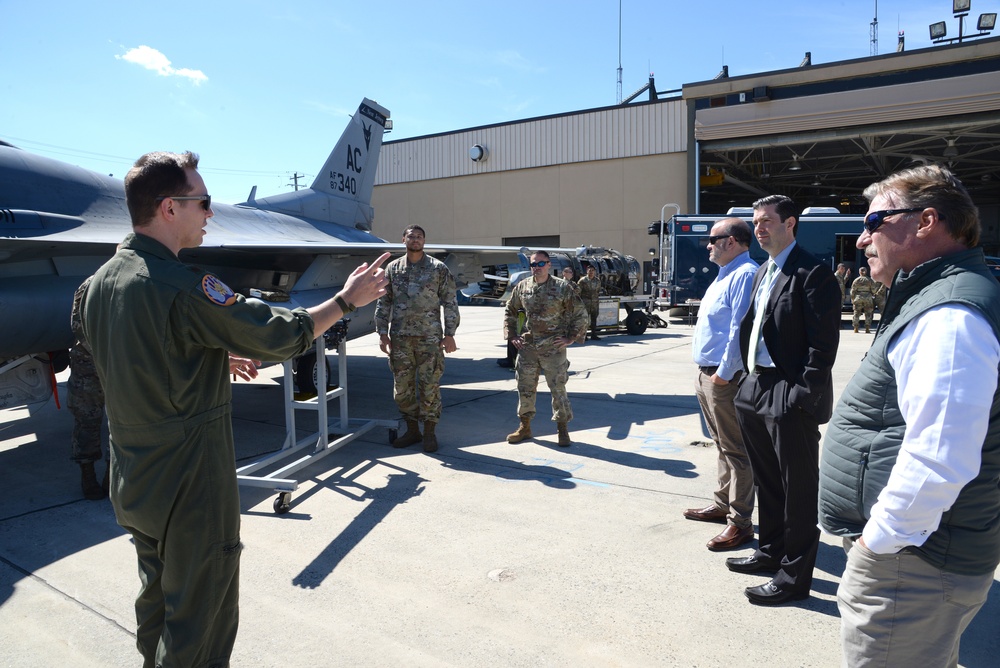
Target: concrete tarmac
482,554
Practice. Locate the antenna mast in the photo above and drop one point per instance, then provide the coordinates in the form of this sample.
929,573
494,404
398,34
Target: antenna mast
874,32
619,51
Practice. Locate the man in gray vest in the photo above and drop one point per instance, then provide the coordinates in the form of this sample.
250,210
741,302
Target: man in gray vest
911,461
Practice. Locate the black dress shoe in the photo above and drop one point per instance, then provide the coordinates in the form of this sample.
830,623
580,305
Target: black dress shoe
753,564
771,594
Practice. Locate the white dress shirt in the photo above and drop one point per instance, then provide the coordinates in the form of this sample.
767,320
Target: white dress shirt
946,364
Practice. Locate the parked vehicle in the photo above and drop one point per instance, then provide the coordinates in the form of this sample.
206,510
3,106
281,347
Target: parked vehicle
685,272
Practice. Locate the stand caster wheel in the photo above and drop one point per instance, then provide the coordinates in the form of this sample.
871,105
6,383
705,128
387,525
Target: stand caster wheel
283,503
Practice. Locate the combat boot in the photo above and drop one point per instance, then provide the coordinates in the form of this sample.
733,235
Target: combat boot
867,330
430,440
410,436
88,482
523,432
564,435
855,329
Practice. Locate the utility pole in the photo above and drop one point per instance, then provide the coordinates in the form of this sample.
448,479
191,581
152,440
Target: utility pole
295,179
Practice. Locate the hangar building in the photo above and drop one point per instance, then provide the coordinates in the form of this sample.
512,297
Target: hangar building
817,133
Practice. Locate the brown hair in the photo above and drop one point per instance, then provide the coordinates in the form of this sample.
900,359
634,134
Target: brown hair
154,175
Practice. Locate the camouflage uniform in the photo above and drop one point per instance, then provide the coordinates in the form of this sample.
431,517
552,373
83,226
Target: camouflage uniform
590,293
553,310
410,313
862,291
842,281
86,396
880,294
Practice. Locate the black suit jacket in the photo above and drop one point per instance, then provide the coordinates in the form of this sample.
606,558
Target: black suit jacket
801,329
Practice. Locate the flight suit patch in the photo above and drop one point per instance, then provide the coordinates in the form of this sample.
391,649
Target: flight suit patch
217,291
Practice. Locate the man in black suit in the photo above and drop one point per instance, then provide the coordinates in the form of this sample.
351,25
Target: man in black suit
789,340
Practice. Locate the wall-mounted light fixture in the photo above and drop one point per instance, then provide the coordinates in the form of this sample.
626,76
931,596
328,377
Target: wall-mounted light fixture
478,153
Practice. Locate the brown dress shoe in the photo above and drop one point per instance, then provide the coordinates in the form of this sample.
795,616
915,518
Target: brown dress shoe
732,536
708,514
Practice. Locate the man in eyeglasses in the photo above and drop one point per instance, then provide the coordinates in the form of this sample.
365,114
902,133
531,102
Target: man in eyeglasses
159,331
716,349
788,340
555,318
911,459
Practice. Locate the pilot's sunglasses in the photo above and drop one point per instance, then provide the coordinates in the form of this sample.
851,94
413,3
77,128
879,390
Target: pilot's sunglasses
874,220
540,263
206,200
715,240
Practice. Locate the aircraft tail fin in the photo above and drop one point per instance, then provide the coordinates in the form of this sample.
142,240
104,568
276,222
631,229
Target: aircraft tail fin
342,191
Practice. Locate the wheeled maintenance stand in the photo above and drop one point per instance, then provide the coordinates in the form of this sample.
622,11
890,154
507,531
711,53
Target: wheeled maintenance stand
332,435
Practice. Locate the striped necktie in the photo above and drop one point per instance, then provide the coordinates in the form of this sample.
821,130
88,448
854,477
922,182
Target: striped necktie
758,316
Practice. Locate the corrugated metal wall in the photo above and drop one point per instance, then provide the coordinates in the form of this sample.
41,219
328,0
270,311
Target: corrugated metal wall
603,134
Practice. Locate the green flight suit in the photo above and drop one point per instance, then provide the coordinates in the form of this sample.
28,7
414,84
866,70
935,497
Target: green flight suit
160,331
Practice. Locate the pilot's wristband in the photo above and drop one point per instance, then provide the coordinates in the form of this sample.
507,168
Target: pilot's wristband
345,307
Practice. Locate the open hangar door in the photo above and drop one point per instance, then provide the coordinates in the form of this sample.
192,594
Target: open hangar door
832,167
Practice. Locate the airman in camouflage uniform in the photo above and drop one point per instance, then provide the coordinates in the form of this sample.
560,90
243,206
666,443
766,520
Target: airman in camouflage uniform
86,403
862,296
408,320
881,292
568,276
556,318
842,274
590,293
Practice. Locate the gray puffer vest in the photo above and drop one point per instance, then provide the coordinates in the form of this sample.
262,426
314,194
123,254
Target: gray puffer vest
865,433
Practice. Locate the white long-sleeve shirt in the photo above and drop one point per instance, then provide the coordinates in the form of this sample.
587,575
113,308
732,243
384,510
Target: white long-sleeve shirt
946,363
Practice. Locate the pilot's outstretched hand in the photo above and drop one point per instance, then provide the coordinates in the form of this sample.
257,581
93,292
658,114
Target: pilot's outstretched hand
366,283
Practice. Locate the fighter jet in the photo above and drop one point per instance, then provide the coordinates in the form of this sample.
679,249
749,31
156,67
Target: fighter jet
59,223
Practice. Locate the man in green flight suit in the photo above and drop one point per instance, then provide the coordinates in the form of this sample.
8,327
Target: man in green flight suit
160,331
555,319
408,320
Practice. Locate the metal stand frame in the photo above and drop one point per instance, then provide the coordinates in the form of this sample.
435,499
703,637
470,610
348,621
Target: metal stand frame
317,445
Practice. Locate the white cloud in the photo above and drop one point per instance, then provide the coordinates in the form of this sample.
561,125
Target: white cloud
151,59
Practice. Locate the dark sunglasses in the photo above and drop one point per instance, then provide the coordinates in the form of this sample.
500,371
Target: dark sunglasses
540,263
874,220
715,240
206,200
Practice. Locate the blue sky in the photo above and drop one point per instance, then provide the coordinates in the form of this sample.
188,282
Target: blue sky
263,89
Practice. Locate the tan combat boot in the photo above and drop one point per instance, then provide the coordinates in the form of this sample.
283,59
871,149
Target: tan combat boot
411,436
867,330
430,440
523,432
564,435
855,329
